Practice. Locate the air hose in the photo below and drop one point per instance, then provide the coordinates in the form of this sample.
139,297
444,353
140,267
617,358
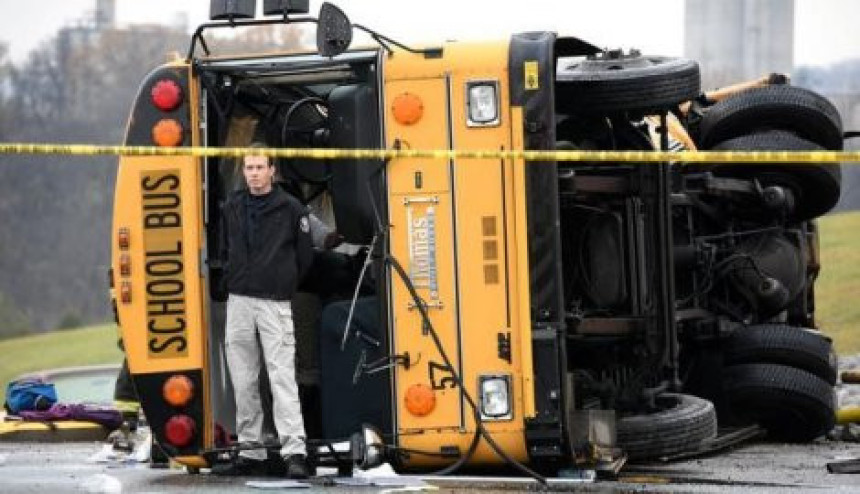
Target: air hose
480,430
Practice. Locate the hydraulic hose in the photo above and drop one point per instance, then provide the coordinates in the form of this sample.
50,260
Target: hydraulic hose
480,430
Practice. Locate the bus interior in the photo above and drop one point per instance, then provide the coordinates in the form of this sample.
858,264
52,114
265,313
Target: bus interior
308,101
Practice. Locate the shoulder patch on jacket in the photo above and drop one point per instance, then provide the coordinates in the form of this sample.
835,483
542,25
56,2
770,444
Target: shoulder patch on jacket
305,225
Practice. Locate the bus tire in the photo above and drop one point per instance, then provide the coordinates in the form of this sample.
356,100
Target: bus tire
809,115
817,186
792,404
617,83
785,345
681,425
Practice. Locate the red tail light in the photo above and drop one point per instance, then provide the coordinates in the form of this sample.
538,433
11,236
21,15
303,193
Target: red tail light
179,430
166,95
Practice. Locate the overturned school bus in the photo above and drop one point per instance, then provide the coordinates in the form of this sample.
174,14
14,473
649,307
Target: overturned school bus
495,310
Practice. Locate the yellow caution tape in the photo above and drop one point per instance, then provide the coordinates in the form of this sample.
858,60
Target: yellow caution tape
796,157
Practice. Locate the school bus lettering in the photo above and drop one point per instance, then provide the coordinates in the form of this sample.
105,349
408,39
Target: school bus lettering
161,201
162,197
165,307
181,343
164,265
161,220
177,326
148,185
422,239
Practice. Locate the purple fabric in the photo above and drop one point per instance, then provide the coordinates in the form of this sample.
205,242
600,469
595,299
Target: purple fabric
108,417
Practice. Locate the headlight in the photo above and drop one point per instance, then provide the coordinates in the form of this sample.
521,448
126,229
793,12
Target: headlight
482,100
495,393
367,448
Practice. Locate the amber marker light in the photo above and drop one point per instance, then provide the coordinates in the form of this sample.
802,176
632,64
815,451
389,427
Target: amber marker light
125,265
167,133
420,400
125,292
178,390
123,238
408,108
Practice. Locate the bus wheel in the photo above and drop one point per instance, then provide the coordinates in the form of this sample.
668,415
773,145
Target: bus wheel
816,186
615,82
809,115
792,404
785,345
681,424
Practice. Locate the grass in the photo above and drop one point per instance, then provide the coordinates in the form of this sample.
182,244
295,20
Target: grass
836,293
85,346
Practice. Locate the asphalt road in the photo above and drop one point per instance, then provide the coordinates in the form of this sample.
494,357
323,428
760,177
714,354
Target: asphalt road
754,467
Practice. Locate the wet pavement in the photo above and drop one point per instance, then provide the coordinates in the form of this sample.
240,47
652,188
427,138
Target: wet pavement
753,467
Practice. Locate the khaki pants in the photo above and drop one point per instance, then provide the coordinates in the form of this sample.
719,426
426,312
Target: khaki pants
273,319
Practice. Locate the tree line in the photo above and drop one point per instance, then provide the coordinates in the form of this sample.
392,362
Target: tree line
77,87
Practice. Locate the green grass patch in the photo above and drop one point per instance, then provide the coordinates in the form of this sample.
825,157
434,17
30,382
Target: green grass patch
836,293
85,346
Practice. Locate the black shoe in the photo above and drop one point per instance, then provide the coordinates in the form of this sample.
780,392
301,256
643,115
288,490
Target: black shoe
276,466
297,467
241,467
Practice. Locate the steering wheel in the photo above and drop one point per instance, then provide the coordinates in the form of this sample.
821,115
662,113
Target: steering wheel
305,134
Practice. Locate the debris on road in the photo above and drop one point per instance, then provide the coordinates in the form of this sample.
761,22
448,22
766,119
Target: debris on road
844,466
102,484
276,484
124,447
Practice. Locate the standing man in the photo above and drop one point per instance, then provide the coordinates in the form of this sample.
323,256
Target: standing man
266,248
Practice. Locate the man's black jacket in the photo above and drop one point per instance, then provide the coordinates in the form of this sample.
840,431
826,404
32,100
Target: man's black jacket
282,250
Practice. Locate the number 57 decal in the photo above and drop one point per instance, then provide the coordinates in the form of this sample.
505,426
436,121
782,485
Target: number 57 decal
441,376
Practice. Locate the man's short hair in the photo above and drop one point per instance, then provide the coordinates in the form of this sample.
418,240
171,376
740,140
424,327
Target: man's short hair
260,145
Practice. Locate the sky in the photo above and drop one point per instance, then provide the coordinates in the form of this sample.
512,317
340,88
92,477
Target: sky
826,31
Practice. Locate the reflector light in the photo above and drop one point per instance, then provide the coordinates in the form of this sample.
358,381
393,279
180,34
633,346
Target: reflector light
125,292
179,430
125,265
166,95
408,108
167,133
177,390
420,400
124,237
